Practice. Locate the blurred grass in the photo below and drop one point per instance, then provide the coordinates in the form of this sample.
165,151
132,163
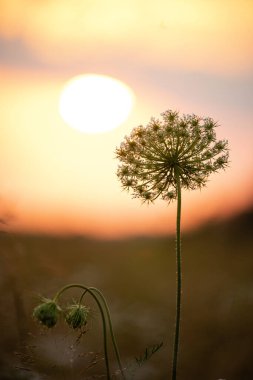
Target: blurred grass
137,276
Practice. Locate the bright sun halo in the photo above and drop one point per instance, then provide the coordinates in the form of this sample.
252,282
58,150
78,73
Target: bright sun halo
95,103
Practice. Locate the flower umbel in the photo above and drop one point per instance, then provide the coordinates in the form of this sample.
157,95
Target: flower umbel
47,313
77,316
184,147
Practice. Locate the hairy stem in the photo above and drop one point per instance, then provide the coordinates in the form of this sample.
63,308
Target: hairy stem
179,280
111,331
102,316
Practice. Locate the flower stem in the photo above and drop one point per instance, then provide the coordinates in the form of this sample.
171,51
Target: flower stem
111,331
179,280
108,375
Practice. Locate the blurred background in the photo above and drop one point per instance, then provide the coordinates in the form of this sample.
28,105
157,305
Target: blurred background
137,277
63,215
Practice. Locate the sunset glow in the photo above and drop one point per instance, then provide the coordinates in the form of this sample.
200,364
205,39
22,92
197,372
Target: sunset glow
194,57
95,103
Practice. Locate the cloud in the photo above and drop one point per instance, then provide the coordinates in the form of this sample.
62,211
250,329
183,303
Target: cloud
215,35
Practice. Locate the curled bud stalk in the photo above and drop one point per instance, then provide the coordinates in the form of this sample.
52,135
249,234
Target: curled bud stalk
152,157
77,316
47,312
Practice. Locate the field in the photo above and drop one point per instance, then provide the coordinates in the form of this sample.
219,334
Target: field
137,277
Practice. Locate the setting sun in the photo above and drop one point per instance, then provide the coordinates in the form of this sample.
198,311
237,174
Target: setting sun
95,103
76,77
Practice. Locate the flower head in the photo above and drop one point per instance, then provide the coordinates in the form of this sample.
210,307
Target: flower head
154,158
77,316
47,313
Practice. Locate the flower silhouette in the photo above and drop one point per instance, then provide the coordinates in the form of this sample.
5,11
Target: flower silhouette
155,157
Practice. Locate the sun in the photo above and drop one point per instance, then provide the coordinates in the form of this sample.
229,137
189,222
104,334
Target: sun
94,103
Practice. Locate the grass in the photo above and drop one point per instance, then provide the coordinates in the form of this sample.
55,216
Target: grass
138,279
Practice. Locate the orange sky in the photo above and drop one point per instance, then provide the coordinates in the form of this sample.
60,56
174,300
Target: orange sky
194,56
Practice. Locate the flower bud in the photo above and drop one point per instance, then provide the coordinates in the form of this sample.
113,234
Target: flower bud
47,313
77,316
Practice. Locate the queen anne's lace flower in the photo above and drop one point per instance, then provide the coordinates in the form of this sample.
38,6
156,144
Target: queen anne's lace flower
155,157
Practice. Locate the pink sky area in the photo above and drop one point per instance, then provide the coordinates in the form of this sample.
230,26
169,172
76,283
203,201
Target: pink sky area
194,56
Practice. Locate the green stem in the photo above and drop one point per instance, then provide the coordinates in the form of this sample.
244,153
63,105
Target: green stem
179,280
102,315
81,298
111,331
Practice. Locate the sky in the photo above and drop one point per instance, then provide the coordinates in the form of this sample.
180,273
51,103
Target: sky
193,56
